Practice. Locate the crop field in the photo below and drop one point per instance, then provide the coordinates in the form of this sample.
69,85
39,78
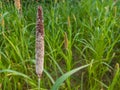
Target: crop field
81,45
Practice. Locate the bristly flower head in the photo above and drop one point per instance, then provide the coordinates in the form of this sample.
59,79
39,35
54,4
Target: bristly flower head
17,4
39,43
40,25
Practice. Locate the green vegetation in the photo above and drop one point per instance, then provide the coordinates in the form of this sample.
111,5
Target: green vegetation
82,45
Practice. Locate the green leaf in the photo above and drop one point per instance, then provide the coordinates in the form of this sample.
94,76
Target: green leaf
14,73
60,80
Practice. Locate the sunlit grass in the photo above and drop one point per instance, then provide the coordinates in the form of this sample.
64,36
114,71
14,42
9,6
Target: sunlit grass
78,34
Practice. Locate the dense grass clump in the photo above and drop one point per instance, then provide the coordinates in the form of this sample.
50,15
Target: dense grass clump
82,45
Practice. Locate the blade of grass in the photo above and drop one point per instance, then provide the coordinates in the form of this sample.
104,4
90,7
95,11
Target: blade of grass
60,80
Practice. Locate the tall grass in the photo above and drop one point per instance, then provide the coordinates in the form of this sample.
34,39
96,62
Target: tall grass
78,34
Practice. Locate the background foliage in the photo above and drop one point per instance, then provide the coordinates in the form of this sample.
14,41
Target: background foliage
78,33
